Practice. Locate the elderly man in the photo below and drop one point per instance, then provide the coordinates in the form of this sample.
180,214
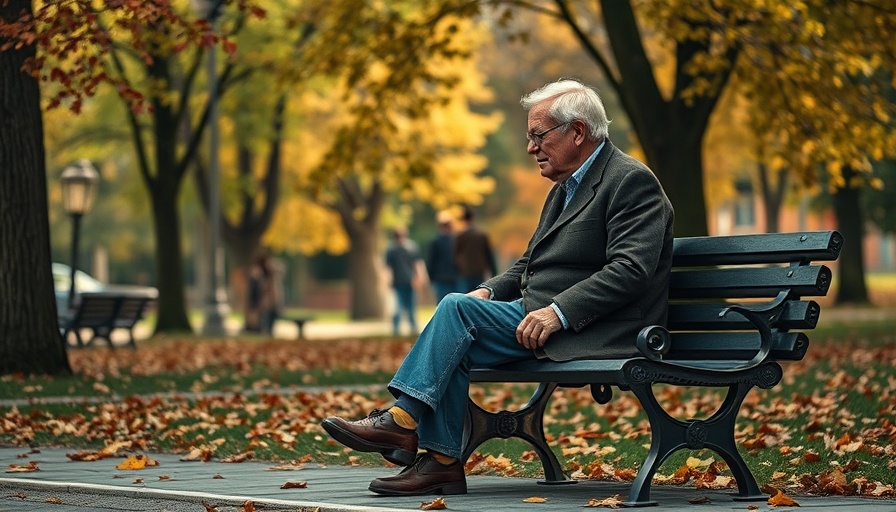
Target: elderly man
595,272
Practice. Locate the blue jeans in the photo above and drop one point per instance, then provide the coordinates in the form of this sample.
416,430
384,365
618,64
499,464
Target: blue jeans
465,332
406,299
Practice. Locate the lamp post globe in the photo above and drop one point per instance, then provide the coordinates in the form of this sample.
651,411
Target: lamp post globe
79,186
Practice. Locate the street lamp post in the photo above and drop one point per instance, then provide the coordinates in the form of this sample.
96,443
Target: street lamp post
215,296
79,184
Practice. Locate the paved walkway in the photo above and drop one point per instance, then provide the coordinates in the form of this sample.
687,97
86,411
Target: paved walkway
62,485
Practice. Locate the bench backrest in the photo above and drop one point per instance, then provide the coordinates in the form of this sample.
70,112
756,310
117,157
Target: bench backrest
112,308
711,273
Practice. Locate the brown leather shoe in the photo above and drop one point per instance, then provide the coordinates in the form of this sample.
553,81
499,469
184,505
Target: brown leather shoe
378,432
425,476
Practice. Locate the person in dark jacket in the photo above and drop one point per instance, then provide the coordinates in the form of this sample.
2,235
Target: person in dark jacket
473,254
440,258
595,272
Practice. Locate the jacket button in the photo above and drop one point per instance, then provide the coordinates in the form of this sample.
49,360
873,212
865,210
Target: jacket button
531,273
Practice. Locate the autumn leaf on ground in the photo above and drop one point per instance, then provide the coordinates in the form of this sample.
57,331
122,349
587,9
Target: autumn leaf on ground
15,468
138,480
240,457
164,477
218,477
289,466
295,485
209,508
614,501
535,499
137,462
248,506
700,500
782,500
436,504
54,500
110,450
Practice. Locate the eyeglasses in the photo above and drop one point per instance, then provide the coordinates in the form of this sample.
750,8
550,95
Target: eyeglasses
538,138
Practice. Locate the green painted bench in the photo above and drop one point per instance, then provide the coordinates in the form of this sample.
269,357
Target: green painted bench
736,310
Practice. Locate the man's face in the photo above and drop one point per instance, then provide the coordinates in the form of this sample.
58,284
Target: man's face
555,150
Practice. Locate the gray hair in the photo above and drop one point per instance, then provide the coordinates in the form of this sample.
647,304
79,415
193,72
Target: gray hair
572,100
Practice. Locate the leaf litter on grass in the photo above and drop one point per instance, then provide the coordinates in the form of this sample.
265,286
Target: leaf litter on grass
829,427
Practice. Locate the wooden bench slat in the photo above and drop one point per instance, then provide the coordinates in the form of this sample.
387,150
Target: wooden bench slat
786,346
797,314
751,282
567,372
757,249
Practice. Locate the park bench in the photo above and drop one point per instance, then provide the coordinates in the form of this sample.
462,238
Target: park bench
736,310
105,311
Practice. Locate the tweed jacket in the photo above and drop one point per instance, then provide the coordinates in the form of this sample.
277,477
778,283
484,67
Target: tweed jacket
605,261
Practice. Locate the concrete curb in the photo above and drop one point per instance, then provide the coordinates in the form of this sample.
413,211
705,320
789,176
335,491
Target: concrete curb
118,498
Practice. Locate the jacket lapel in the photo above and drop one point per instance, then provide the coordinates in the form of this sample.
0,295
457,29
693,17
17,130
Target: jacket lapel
586,190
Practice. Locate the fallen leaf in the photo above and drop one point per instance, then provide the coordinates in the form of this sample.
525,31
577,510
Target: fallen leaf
294,485
614,501
700,500
54,499
209,508
782,500
164,477
535,499
248,506
292,466
240,457
218,476
436,504
15,468
135,462
20,495
138,480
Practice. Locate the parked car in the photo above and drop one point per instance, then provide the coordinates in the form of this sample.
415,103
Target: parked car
62,278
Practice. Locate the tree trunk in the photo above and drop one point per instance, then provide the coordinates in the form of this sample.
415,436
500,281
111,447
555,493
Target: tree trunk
366,294
772,196
30,341
171,309
679,167
851,270
359,209
164,191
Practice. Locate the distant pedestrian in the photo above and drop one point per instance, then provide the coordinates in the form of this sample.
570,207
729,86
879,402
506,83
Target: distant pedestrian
403,260
473,255
440,258
263,304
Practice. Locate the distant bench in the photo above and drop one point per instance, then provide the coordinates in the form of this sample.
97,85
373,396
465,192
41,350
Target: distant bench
105,311
733,303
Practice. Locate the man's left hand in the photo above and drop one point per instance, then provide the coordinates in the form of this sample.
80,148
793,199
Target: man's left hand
535,328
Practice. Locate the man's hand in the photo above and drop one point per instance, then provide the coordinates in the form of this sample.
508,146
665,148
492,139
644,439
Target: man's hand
534,330
480,293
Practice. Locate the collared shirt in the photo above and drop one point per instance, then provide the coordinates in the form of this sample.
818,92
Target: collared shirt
571,184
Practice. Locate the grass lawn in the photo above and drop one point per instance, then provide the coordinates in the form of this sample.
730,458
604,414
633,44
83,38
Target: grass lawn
831,419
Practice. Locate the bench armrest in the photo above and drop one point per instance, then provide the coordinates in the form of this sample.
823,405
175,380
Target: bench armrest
654,341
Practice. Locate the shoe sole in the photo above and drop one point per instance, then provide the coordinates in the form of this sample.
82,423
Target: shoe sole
439,489
394,455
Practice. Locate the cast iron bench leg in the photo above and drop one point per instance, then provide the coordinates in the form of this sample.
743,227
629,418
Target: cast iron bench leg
527,424
720,437
668,435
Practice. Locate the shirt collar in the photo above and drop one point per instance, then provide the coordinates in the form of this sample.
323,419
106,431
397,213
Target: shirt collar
580,172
